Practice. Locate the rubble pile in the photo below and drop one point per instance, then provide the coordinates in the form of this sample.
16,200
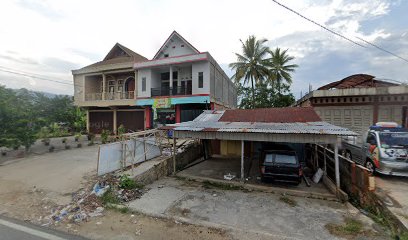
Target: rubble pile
87,204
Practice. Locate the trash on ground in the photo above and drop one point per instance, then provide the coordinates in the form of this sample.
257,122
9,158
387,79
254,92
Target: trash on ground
229,176
318,175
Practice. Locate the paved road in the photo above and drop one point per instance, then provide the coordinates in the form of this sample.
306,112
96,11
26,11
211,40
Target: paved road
394,193
12,229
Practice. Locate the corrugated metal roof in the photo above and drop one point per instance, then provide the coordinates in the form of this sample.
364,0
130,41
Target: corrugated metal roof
210,121
357,81
271,115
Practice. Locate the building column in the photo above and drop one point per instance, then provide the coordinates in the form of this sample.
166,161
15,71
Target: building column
87,121
136,81
147,117
336,165
171,80
242,160
103,86
178,113
375,110
115,124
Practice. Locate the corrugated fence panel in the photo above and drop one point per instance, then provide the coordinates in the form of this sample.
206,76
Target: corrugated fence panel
111,155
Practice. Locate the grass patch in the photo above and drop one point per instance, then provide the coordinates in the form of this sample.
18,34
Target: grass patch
351,227
403,236
109,197
118,208
222,186
291,202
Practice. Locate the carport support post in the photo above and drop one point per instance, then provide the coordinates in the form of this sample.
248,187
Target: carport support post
336,165
242,160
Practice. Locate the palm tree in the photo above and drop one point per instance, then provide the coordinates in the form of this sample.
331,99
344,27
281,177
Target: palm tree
251,65
279,70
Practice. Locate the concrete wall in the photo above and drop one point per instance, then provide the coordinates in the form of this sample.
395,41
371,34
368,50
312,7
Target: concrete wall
222,89
205,68
355,118
176,47
144,73
230,148
79,88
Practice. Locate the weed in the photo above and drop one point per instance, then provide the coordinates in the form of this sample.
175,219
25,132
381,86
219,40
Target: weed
403,236
128,183
291,202
118,208
351,227
109,197
222,186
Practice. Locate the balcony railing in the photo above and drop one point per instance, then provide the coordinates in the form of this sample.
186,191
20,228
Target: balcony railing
174,91
110,96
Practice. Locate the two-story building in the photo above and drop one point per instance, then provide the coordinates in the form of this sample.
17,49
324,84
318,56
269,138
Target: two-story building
180,82
176,85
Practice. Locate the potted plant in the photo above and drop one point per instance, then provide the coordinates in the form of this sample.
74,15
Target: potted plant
91,136
77,136
104,136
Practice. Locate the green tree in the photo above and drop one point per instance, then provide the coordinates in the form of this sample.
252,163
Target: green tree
279,68
265,96
250,66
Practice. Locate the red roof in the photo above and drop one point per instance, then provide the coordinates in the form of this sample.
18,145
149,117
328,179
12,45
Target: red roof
272,115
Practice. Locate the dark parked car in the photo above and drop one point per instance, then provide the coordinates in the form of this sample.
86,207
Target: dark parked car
280,165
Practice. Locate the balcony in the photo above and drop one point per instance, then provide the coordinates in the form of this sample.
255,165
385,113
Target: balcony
109,96
175,91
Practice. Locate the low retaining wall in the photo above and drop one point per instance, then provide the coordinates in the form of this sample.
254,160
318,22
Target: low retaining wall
155,169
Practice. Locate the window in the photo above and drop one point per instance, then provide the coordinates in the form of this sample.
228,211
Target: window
120,85
143,84
166,55
200,80
371,139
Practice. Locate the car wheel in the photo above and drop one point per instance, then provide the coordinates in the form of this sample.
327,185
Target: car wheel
348,155
370,166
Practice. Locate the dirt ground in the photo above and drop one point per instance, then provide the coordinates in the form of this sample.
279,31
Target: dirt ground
32,188
115,226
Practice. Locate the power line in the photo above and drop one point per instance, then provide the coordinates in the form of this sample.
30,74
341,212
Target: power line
340,35
43,76
37,77
382,49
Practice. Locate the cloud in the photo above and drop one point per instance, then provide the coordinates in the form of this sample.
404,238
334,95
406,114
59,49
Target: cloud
44,8
59,65
58,36
23,60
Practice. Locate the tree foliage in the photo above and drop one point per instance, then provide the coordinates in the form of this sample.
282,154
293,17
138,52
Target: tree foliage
250,65
262,75
24,113
265,96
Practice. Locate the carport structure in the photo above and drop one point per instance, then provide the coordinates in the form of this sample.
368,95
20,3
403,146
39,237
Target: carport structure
279,125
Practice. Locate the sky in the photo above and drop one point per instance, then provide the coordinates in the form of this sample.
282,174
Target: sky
51,38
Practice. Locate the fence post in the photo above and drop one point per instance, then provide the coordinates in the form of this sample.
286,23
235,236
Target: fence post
324,159
316,156
174,153
353,177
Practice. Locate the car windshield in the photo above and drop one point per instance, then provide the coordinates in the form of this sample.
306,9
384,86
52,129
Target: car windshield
393,139
280,158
